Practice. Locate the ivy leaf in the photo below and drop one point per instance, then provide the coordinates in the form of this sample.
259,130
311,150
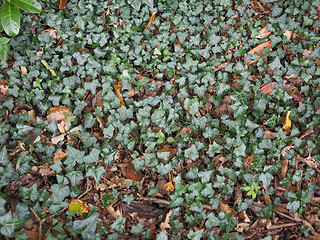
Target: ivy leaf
93,157
118,225
275,64
87,227
96,173
192,153
9,224
75,177
214,148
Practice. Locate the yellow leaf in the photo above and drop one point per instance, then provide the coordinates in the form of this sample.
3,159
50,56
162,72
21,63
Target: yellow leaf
78,206
47,67
287,122
169,186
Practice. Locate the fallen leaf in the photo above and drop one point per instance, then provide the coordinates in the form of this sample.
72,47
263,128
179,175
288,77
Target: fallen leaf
166,223
52,32
185,129
132,173
287,123
153,15
117,88
47,67
267,199
57,139
248,161
59,155
270,135
293,91
284,168
258,49
224,208
288,34
267,89
263,33
78,206
256,5
244,216
62,4
169,186
57,113
23,70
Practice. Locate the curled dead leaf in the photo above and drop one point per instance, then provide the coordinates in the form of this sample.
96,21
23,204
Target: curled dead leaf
263,33
117,88
52,32
287,123
23,70
166,223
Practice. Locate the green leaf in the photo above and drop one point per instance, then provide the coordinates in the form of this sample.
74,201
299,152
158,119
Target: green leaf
10,19
4,156
75,177
60,191
118,225
93,157
4,48
175,201
96,173
192,153
214,148
9,224
87,227
212,221
30,6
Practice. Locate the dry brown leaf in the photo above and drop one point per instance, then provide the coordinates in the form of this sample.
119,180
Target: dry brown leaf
62,4
248,161
57,139
52,32
263,33
267,89
185,129
23,70
224,208
243,215
256,5
112,212
100,121
292,90
284,168
166,223
258,49
270,135
57,113
288,34
267,199
117,88
306,53
153,15
59,155
132,173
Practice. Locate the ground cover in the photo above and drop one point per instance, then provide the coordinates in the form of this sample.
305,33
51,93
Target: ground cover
162,120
